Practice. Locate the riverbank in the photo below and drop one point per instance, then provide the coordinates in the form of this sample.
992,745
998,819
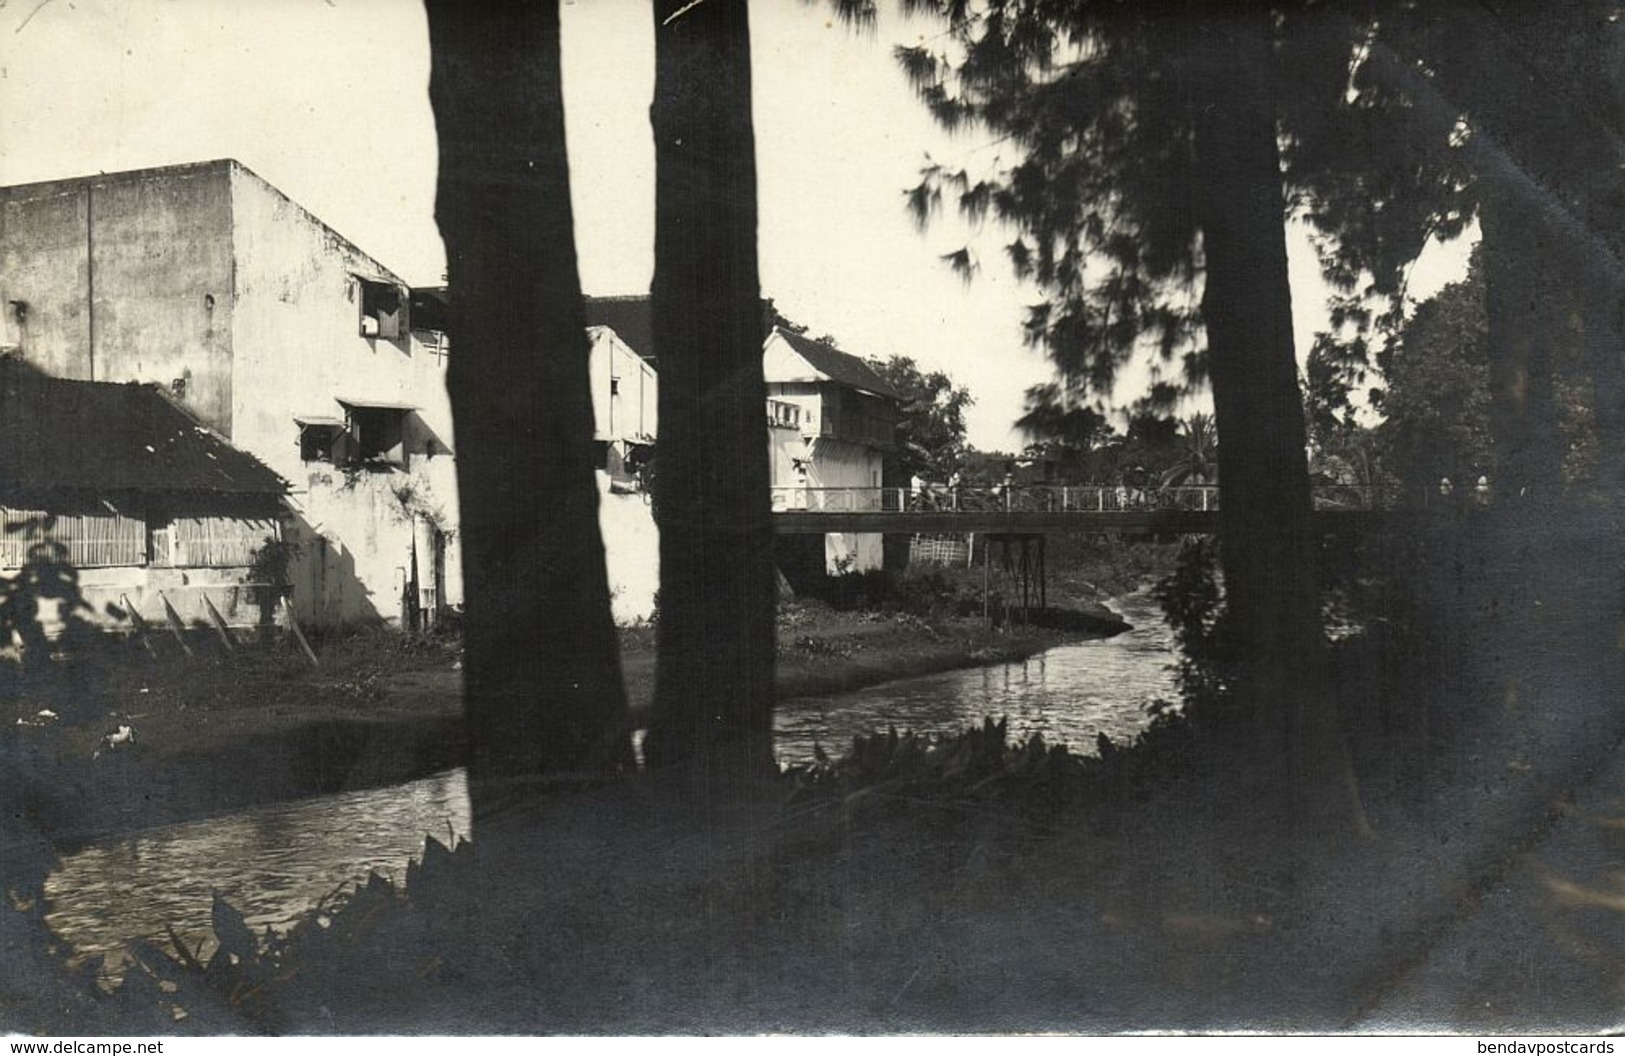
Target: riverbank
219,730
972,886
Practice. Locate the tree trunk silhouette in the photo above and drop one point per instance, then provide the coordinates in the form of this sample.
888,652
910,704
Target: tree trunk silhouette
1534,84
713,704
1267,545
541,660
1523,310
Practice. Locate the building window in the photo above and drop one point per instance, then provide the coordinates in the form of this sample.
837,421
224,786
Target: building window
369,433
383,310
319,439
379,434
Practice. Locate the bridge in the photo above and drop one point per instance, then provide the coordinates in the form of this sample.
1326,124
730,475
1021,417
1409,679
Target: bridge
939,508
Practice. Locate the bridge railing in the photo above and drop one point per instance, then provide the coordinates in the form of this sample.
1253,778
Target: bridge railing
838,500
1355,497
1046,498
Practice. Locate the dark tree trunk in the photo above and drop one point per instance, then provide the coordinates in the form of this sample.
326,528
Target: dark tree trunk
713,703
1266,532
1534,83
1523,300
541,659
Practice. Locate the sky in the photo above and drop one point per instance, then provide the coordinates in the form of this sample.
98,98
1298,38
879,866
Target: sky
327,99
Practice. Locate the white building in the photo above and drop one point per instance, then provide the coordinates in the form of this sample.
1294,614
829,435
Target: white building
831,423
274,330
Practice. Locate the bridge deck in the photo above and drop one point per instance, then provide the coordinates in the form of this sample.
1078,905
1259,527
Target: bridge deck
819,511
1173,522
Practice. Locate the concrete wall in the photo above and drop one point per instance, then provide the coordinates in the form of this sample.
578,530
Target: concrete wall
840,464
625,390
44,262
353,540
126,278
299,350
631,552
297,335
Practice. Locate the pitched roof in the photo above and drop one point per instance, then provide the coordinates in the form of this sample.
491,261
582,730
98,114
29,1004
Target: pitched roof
632,319
840,367
96,436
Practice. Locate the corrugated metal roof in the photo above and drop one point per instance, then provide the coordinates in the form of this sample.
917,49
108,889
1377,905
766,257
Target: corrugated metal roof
96,436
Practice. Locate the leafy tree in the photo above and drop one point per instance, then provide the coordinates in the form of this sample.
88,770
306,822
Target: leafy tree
1049,416
931,426
1441,402
542,664
1533,96
1062,428
713,704
1437,401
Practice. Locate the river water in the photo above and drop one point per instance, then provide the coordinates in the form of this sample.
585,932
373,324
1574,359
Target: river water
275,862
1070,694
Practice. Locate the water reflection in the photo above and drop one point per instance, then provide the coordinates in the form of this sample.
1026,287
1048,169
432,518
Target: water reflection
272,862
275,862
1070,694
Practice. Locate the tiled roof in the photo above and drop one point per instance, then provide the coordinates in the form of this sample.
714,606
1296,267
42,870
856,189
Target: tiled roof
96,436
631,318
840,367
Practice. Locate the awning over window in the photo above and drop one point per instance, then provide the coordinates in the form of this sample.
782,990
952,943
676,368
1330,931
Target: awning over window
377,405
319,419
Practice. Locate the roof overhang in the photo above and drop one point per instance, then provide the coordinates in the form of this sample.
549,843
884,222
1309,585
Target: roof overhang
375,405
377,279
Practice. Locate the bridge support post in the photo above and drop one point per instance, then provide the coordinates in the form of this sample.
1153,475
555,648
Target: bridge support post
1022,572
987,564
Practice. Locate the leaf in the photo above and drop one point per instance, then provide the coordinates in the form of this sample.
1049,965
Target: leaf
231,931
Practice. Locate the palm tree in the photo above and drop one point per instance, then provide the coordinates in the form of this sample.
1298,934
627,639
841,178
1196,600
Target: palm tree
1198,462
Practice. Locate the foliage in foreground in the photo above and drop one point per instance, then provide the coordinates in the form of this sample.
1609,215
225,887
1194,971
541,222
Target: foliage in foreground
383,942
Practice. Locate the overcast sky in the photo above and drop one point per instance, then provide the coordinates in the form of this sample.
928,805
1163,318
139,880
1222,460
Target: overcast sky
327,99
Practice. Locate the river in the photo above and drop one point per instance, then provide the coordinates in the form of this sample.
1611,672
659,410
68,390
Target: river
1070,694
275,862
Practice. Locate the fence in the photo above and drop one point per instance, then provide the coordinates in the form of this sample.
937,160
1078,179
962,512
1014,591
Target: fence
90,540
1045,498
114,540
215,542
939,550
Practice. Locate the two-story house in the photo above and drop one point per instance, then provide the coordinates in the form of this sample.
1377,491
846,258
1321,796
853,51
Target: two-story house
625,399
831,425
273,330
